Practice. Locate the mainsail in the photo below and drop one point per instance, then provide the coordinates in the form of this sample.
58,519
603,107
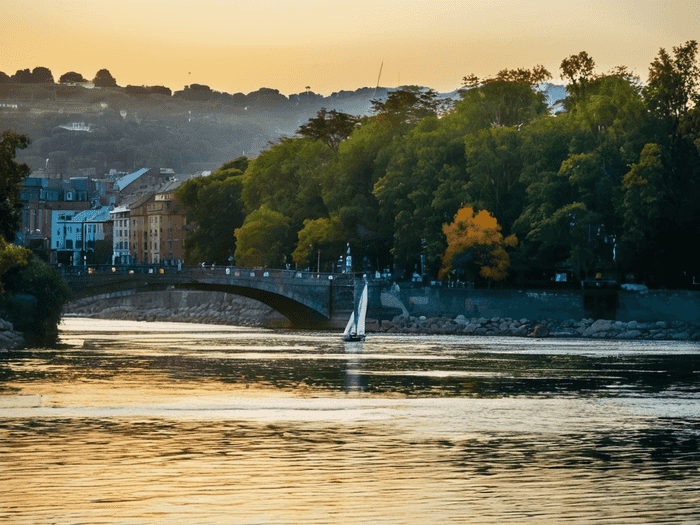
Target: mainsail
355,329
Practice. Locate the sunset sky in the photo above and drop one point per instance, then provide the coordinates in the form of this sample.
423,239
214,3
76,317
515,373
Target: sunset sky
243,45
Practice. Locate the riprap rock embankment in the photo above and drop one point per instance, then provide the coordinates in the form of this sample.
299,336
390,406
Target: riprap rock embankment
8,337
498,326
222,308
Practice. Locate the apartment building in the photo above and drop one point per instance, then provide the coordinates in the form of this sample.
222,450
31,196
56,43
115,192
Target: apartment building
158,228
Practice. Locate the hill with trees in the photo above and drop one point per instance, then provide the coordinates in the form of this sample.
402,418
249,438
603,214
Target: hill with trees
130,127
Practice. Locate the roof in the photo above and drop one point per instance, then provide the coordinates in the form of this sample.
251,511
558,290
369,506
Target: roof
173,184
122,183
99,215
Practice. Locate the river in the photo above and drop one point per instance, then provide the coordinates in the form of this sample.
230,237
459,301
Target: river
145,423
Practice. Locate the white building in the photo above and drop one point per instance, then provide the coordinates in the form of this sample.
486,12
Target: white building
79,237
120,220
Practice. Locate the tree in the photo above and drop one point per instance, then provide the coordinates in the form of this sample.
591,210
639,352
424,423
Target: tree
508,99
330,127
263,240
11,176
533,77
325,234
22,76
286,178
214,204
474,242
578,70
71,77
404,108
347,188
494,165
103,78
11,256
672,88
39,314
42,75
412,193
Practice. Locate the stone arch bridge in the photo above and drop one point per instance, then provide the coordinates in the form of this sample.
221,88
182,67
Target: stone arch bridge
308,300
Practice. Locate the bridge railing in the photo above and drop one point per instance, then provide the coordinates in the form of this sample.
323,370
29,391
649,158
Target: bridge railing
198,271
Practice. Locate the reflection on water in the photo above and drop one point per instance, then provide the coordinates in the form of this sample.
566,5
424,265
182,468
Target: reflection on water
165,423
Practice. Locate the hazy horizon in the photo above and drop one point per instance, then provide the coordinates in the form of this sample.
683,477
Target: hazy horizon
246,45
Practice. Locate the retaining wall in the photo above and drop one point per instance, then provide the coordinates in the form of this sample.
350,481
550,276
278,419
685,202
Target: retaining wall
650,306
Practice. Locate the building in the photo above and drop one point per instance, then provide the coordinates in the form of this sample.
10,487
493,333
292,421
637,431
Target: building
121,253
158,227
81,237
40,198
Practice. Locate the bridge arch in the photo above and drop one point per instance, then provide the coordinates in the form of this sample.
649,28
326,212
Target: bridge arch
307,300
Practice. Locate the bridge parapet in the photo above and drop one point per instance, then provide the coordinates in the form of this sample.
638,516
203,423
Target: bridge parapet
305,298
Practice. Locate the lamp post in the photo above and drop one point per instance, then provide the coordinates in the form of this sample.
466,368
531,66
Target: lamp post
318,261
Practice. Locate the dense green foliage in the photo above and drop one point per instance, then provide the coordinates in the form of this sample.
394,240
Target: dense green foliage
32,294
610,183
11,176
213,204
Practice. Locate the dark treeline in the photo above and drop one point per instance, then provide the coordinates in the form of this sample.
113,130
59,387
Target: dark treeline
609,184
194,92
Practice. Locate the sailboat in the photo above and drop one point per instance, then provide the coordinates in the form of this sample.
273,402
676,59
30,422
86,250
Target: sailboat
355,329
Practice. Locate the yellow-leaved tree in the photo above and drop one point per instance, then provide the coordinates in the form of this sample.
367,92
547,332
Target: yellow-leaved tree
475,243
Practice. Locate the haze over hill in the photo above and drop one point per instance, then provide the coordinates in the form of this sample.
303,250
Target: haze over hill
74,127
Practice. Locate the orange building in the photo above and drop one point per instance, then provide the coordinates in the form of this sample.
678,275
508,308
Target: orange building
157,227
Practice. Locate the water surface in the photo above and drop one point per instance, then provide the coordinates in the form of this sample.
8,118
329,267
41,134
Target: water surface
148,423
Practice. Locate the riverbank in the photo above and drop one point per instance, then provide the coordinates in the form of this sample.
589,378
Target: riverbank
498,326
9,338
229,309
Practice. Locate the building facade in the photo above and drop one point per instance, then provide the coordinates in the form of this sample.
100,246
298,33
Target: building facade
158,228
82,237
121,252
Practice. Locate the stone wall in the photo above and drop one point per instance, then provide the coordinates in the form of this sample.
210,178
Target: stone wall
650,306
659,315
180,306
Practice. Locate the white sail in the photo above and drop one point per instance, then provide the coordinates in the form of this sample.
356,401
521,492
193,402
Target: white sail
362,309
355,329
350,326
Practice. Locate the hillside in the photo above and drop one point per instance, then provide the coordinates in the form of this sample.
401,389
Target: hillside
73,127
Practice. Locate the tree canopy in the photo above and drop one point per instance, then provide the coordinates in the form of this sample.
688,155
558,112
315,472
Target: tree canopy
103,78
214,205
609,184
475,244
11,176
330,127
70,77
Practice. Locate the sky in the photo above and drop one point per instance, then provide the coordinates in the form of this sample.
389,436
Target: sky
243,45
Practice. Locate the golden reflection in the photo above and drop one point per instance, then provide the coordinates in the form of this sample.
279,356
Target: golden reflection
142,430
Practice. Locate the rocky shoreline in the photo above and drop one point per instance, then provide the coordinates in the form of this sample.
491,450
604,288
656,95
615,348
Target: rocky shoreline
228,309
9,338
506,327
